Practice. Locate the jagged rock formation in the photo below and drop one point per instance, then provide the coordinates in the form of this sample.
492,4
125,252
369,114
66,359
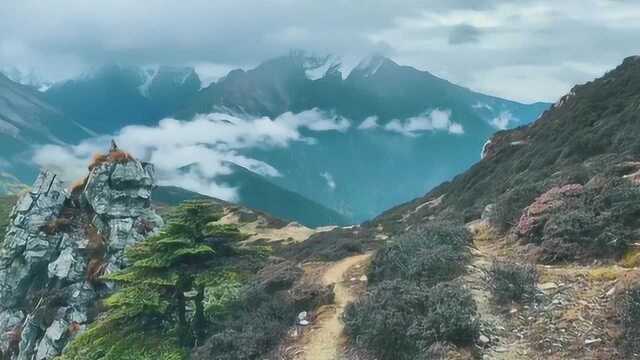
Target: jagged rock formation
57,246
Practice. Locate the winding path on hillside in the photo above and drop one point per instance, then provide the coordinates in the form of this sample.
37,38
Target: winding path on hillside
325,340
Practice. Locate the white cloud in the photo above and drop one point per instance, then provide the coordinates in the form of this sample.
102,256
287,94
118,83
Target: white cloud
208,141
502,121
480,105
434,120
330,181
370,122
508,37
456,128
315,120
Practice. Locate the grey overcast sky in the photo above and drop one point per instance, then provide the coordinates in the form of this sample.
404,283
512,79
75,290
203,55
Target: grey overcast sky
527,50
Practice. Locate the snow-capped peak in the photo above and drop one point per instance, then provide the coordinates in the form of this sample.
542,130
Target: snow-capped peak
317,67
148,75
370,65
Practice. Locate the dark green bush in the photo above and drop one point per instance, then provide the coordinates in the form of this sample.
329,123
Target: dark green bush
429,254
628,309
509,205
254,326
331,245
601,223
254,330
512,282
400,320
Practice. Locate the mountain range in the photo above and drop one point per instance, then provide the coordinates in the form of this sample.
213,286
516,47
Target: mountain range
405,130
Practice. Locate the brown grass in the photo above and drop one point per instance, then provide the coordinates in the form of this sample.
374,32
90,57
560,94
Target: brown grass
78,185
632,258
95,269
118,157
14,337
98,159
56,226
605,273
97,244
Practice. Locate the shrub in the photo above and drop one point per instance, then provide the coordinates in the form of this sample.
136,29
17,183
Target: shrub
429,255
628,309
509,205
400,319
255,324
253,320
331,245
512,282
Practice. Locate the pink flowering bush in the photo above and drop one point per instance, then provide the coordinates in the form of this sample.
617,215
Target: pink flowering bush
535,215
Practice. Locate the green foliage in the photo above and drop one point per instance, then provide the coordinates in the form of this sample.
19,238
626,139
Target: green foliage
251,325
412,303
163,268
400,319
600,222
257,324
222,289
114,340
331,245
512,282
429,254
594,132
509,205
628,309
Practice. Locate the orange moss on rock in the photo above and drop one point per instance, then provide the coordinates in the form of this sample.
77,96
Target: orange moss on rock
95,269
114,156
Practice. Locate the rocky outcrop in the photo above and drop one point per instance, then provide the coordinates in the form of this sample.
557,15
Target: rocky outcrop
57,246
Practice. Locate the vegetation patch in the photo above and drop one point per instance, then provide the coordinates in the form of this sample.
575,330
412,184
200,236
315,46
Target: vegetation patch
163,292
573,221
252,326
331,245
401,319
428,255
195,293
512,282
412,303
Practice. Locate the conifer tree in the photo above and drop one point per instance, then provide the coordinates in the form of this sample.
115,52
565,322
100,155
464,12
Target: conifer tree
165,271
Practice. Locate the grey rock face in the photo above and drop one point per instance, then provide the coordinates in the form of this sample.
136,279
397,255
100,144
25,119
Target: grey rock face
44,267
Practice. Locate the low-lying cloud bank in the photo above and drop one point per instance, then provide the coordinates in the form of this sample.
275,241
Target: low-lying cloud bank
429,121
434,120
194,154
206,144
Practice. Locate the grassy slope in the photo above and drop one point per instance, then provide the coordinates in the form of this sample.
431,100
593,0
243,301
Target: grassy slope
592,132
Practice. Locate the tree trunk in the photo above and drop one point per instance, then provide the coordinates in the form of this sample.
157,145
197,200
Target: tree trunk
184,335
199,321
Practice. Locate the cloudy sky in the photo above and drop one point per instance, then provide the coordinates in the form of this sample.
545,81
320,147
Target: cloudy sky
527,50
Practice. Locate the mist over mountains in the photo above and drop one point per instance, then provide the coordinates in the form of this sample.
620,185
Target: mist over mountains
295,121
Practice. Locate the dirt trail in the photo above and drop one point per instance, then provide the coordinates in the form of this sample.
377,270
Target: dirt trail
505,344
325,340
570,319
